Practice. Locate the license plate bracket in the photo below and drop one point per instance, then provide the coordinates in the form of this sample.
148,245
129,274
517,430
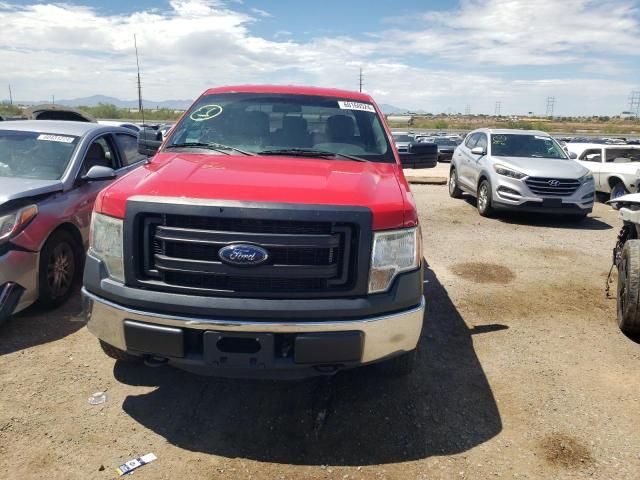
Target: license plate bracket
238,350
552,202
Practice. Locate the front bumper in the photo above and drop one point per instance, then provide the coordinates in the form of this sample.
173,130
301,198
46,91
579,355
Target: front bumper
182,340
512,194
18,280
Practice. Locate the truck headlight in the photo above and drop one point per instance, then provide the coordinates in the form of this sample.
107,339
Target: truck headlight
508,172
13,223
105,243
394,252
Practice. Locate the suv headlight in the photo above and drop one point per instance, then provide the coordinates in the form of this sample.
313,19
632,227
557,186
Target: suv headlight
508,172
587,177
13,223
105,243
394,252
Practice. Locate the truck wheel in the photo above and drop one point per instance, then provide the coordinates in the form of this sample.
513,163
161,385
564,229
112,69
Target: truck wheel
400,366
118,354
618,190
59,267
484,199
454,190
629,288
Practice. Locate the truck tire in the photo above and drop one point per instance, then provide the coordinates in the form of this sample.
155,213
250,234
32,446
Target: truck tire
58,270
400,366
454,189
629,288
484,199
618,190
118,354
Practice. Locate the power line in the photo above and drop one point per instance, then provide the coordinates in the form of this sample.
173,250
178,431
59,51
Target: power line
498,108
140,106
634,103
551,102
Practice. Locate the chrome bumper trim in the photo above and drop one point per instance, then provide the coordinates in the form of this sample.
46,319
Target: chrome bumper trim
383,336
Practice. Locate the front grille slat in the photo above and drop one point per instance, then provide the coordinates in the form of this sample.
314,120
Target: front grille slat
552,186
182,254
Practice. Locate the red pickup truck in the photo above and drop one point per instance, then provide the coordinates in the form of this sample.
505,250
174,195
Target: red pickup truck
272,234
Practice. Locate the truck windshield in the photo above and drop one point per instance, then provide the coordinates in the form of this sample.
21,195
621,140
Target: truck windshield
42,156
291,124
521,145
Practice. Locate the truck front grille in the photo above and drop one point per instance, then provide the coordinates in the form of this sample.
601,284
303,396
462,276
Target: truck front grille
181,253
552,187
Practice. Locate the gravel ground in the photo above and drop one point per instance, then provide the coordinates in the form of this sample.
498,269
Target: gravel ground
522,374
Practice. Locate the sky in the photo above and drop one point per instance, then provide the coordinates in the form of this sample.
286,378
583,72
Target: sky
432,55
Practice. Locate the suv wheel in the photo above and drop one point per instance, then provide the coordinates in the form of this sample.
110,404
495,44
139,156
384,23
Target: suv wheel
484,199
454,190
59,267
629,288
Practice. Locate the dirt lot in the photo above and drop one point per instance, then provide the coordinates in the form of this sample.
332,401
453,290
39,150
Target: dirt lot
523,374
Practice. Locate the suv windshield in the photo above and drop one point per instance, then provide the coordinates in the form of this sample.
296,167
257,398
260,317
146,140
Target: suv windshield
401,138
521,145
445,141
43,156
283,123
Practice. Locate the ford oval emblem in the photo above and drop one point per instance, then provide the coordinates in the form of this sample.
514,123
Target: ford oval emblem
243,254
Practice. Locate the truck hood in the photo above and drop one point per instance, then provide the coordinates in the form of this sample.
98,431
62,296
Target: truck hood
544,167
265,179
12,188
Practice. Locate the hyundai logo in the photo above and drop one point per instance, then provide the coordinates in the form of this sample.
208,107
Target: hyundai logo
243,254
554,183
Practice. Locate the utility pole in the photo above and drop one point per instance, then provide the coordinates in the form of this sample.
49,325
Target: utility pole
140,106
551,102
53,99
361,80
634,103
498,108
10,96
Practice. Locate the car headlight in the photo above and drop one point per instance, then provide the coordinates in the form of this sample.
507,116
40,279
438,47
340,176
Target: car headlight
105,243
508,172
587,177
13,223
394,252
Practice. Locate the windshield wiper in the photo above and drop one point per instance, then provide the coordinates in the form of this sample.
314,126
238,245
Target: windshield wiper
218,147
309,152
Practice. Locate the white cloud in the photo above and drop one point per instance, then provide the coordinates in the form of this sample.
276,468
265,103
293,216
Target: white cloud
72,51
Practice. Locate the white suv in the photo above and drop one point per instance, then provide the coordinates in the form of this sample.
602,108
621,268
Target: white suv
522,170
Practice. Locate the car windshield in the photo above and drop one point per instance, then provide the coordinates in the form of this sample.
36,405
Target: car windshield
42,156
623,155
530,146
287,124
401,138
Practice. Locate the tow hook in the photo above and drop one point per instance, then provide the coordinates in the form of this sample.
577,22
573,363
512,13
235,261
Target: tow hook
155,362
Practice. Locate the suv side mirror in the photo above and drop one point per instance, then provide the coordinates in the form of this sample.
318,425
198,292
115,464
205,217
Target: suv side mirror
573,155
98,173
149,141
478,151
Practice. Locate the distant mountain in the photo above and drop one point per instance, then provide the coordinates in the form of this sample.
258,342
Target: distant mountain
390,109
94,100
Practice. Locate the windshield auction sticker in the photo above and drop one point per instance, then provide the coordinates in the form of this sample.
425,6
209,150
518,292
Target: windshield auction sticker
55,138
205,112
365,107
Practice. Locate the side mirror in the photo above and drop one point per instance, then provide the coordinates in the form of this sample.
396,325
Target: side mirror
573,155
478,151
98,173
149,141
